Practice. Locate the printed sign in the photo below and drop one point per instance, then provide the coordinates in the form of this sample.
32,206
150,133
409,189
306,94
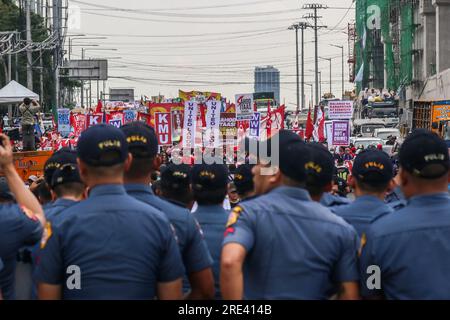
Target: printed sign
244,106
341,133
163,124
340,110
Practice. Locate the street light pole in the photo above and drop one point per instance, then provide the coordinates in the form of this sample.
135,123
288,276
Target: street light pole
296,27
343,86
83,50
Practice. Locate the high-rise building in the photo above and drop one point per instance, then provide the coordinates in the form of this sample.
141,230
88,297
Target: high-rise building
267,79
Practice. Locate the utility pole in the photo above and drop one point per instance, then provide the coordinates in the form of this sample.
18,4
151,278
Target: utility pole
82,82
296,27
41,77
303,26
57,26
29,41
315,7
343,85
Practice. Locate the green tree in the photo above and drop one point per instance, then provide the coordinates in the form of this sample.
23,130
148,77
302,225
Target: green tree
13,19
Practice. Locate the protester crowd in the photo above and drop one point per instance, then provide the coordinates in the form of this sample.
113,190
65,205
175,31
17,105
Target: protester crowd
111,220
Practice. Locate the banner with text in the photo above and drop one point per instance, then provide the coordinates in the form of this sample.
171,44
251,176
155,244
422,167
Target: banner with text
212,136
163,124
244,106
255,125
190,124
341,133
64,127
340,110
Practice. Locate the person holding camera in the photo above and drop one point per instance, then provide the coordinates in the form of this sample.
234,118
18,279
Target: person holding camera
28,109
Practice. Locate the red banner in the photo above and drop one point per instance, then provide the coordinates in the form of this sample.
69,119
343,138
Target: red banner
78,123
146,118
163,108
94,119
163,128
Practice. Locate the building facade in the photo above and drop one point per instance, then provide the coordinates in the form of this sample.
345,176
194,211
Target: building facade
267,79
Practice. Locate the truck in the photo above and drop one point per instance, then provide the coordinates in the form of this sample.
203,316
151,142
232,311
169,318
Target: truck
434,116
387,111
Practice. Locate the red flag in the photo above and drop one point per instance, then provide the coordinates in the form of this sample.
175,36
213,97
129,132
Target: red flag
99,107
321,130
309,126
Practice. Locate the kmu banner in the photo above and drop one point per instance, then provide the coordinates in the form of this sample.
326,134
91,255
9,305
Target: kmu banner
163,124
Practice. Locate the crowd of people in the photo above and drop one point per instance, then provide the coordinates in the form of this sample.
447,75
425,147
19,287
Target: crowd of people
110,220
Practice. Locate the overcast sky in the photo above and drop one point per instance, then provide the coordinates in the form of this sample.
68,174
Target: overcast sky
210,45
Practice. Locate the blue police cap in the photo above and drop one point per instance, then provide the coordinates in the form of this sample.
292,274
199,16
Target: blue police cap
176,177
373,167
209,176
58,159
320,168
243,178
67,173
102,145
425,155
294,155
142,140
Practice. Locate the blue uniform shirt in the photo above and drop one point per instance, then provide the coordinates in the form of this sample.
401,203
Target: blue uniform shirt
412,249
121,246
193,248
363,212
328,200
16,230
396,200
213,220
54,215
296,248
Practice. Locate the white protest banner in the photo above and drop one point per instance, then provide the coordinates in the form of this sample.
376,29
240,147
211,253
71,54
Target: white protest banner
190,124
163,125
212,135
244,106
329,132
255,125
340,110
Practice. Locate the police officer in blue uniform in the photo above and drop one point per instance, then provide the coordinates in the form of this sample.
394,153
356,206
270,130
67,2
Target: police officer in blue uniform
411,246
20,224
320,177
176,185
209,187
143,145
282,245
110,246
67,189
371,180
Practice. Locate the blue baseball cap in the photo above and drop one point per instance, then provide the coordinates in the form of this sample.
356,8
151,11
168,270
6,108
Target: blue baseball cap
373,167
102,146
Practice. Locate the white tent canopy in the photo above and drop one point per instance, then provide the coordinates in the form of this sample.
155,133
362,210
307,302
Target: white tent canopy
14,92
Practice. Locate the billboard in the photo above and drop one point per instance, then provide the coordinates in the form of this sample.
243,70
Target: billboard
88,69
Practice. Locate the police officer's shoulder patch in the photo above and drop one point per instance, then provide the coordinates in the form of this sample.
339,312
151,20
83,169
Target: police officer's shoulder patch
234,216
362,244
29,213
233,219
48,232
